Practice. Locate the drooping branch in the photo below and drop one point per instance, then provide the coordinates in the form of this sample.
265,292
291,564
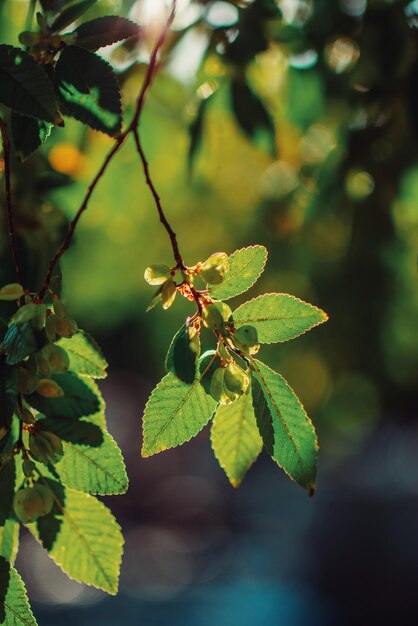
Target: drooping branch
9,203
131,128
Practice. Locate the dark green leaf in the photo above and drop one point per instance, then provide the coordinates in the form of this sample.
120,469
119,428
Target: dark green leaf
28,134
88,89
22,340
78,400
104,31
70,14
25,87
86,358
14,605
252,116
182,356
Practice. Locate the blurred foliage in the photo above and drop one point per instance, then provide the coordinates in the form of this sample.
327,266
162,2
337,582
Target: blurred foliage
330,188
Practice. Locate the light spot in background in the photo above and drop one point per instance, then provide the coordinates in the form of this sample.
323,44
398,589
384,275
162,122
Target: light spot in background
221,14
188,55
317,143
295,12
47,583
342,54
304,60
279,180
66,158
359,184
353,8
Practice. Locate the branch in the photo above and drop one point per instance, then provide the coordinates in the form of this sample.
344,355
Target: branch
9,205
118,144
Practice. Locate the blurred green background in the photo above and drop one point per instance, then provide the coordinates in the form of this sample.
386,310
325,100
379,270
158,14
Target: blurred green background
332,192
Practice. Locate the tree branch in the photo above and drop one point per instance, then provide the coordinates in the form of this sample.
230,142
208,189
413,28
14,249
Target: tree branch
152,67
9,204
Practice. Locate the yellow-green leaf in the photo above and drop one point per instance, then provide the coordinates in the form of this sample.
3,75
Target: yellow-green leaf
9,540
245,267
236,441
14,605
86,358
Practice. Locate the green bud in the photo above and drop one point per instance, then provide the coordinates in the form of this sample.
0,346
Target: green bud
57,357
48,388
246,339
168,293
236,380
45,447
30,503
14,291
212,318
157,274
214,268
28,467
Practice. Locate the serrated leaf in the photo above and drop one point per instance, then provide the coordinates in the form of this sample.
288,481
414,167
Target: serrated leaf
104,31
175,413
92,460
182,357
252,116
14,605
9,540
245,267
70,14
288,433
83,537
79,399
25,86
86,358
28,134
235,438
88,90
278,317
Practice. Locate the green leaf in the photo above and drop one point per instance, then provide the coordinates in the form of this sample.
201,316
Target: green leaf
9,540
175,413
79,399
252,116
278,317
82,536
86,358
28,134
245,267
70,14
236,441
182,355
25,86
104,31
288,433
88,89
14,605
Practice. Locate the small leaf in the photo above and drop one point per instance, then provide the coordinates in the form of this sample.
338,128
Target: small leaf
9,541
175,413
82,536
14,605
11,292
157,274
236,441
88,89
287,431
25,86
104,31
245,267
182,355
86,358
70,15
28,134
168,293
252,116
278,317
79,399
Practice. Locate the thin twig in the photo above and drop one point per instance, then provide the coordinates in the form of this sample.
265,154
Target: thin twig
9,204
118,144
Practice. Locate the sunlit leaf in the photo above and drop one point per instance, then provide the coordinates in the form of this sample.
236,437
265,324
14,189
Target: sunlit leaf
278,317
288,433
86,358
245,267
78,400
9,540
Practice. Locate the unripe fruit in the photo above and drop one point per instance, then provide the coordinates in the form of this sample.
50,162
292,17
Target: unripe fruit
27,380
217,384
48,388
57,357
214,268
45,447
28,467
157,274
14,291
168,293
65,327
246,339
30,503
212,318
236,380
50,328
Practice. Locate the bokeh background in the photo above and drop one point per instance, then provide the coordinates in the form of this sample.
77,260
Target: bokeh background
332,191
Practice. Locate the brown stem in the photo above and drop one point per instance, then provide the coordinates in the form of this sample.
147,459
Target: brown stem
118,144
9,204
